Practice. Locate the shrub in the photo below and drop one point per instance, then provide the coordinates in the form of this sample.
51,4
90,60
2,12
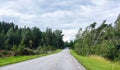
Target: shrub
21,48
28,51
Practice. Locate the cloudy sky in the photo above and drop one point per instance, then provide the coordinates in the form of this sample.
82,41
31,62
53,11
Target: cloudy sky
66,15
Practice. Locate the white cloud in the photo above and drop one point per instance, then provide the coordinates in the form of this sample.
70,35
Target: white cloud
112,13
86,10
13,13
100,2
8,12
56,14
69,34
67,15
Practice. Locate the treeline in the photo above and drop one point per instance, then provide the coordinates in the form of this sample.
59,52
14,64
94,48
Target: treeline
69,44
27,41
103,40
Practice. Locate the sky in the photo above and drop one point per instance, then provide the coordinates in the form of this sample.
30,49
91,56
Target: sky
66,15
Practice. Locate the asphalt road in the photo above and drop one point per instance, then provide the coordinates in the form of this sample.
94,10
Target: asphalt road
60,61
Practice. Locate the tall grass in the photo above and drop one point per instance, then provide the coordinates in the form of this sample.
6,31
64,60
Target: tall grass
96,62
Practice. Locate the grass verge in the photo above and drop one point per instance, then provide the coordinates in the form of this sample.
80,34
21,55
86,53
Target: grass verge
16,59
96,62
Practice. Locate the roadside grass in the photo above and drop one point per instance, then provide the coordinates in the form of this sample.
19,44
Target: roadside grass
96,62
16,59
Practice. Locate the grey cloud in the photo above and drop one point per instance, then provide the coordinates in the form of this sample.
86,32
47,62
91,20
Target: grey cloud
67,15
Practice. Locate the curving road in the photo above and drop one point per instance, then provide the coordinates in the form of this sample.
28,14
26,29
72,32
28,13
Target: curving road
60,61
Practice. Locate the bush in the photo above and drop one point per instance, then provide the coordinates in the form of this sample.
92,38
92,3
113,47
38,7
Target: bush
14,48
6,53
1,53
37,51
27,51
20,48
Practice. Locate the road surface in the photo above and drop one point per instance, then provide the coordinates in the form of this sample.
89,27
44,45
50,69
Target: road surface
60,61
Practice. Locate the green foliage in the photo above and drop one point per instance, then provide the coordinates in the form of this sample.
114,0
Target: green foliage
69,44
21,48
103,40
28,51
14,48
21,40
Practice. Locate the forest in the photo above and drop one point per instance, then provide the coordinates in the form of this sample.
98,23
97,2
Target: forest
102,41
28,41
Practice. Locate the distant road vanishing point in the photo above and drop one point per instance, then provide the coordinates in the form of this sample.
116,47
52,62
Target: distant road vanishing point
60,61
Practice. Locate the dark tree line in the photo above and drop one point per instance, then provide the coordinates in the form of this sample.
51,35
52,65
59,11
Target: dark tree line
69,44
103,40
21,41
